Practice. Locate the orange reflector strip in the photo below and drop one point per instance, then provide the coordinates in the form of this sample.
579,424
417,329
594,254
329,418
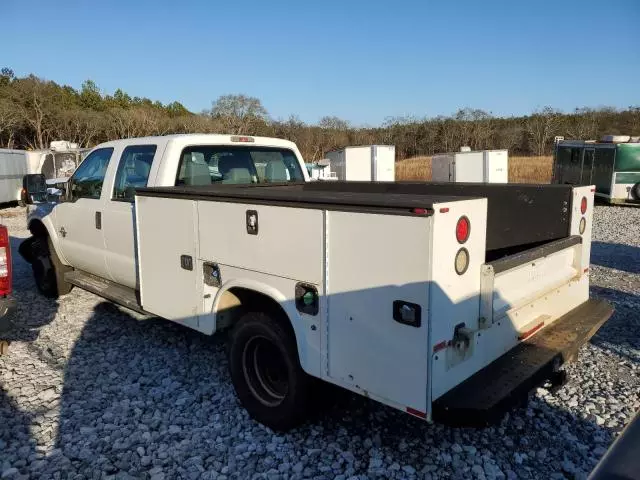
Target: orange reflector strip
421,211
444,210
440,346
416,413
528,333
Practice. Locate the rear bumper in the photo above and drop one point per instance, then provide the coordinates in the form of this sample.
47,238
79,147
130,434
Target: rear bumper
484,397
7,312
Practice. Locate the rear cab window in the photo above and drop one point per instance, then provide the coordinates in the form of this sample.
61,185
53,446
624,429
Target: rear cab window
133,171
228,164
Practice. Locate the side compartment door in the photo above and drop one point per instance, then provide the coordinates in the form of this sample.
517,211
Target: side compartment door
79,218
118,217
371,346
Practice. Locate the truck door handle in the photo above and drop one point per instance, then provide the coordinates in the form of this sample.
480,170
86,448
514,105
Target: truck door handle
99,220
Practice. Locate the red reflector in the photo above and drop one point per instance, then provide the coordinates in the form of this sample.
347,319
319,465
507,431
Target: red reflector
593,189
5,262
416,413
421,211
444,210
583,205
528,333
440,346
585,270
463,228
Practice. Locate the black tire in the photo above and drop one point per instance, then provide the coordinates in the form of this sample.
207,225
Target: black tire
266,372
635,191
48,270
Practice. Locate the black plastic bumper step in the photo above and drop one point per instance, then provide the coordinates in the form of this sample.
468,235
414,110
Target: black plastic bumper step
483,398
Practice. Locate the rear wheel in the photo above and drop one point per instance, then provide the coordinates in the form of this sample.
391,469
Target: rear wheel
48,270
266,372
635,191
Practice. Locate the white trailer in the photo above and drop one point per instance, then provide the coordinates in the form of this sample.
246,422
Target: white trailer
13,167
485,166
367,163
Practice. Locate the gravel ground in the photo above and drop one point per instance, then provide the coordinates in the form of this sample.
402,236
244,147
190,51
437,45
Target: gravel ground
89,391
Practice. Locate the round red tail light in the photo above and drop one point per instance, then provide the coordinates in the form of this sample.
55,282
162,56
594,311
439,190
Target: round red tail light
583,205
463,229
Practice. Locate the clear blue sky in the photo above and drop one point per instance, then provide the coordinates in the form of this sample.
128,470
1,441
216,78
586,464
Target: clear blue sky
360,60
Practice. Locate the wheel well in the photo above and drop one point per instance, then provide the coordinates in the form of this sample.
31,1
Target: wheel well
236,301
37,229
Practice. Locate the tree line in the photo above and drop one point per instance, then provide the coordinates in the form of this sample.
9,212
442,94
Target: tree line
34,111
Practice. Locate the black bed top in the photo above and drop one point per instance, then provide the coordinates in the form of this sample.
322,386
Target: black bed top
518,214
304,195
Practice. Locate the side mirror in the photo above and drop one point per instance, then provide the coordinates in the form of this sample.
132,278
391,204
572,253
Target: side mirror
34,188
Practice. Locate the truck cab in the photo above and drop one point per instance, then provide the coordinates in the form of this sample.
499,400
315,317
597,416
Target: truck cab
92,226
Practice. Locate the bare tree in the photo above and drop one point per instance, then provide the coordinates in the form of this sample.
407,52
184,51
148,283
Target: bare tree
32,99
9,119
238,113
333,123
541,127
584,124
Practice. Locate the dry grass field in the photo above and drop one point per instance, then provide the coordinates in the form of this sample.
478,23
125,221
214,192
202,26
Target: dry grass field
521,169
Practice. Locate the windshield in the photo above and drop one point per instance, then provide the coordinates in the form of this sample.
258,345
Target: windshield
204,165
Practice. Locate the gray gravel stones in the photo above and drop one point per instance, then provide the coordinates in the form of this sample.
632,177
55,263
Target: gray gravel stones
89,391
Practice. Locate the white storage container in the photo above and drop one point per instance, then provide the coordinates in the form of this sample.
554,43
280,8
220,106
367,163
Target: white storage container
487,166
13,166
365,163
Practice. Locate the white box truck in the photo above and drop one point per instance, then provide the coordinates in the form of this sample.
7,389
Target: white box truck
13,166
56,164
369,163
485,166
447,301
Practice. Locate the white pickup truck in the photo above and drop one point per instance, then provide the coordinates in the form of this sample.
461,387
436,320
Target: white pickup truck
447,301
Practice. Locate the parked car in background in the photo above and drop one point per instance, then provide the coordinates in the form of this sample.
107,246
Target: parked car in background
7,303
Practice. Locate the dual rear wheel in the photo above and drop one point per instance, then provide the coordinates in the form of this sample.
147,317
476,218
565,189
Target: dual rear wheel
266,372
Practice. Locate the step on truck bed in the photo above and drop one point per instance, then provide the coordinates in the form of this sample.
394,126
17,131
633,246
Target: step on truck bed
483,398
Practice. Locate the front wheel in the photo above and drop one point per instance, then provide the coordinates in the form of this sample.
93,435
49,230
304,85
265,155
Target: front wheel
266,372
48,270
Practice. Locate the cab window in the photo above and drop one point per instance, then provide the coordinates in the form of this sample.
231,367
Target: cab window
88,178
207,164
133,171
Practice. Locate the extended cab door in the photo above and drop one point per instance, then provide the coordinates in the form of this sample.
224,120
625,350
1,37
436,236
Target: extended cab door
118,223
78,219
